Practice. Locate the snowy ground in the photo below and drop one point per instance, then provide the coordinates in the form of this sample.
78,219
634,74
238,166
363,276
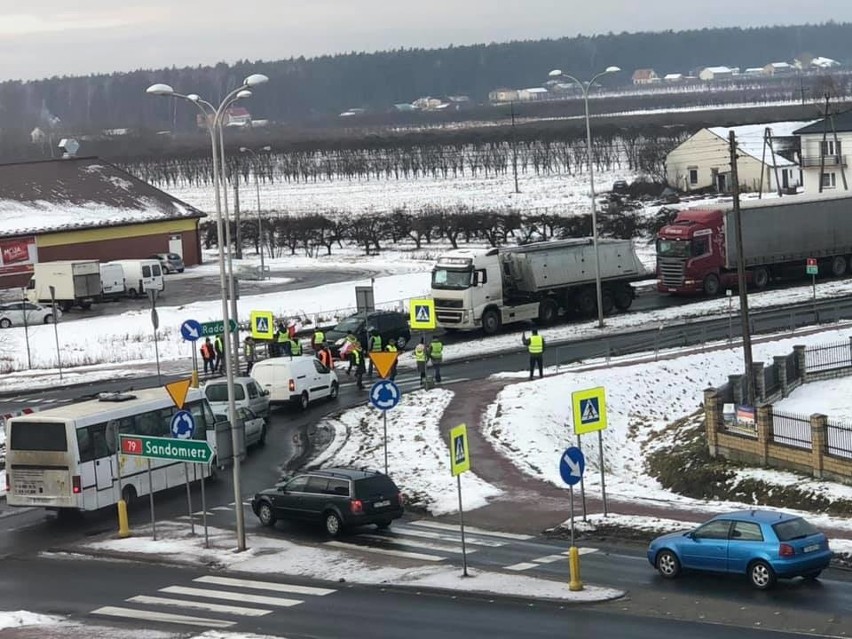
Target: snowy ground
531,422
418,457
271,555
829,397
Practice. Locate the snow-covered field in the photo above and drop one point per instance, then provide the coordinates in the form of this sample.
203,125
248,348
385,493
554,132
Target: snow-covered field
832,397
418,457
531,422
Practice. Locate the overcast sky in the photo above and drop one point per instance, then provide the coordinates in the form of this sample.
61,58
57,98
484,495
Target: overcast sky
40,38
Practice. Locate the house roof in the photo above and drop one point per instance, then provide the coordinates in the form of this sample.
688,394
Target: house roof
718,69
77,193
644,74
673,76
750,139
842,122
780,65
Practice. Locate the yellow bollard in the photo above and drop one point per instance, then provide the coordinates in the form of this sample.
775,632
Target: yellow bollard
574,584
123,525
194,380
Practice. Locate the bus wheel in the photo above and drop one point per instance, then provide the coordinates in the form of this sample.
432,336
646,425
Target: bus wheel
128,494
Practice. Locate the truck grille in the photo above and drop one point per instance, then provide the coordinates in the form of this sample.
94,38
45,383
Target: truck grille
670,271
448,317
439,303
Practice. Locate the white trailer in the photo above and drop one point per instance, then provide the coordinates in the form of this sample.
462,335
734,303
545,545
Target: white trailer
74,282
488,288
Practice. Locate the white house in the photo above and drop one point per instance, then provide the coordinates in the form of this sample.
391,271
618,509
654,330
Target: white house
715,73
673,77
503,95
645,76
532,94
824,159
704,160
778,68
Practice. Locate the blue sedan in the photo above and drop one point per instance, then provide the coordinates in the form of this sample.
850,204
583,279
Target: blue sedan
762,544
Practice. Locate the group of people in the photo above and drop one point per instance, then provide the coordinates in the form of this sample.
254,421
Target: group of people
215,361
358,355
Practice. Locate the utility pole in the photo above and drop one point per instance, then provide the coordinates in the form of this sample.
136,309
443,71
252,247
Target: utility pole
741,272
514,148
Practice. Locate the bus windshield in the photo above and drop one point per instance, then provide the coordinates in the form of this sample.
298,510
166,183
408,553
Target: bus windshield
452,279
673,248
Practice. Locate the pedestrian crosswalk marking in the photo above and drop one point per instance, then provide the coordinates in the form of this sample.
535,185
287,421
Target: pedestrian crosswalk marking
426,534
413,544
264,585
521,566
165,617
199,605
231,596
385,551
469,529
423,314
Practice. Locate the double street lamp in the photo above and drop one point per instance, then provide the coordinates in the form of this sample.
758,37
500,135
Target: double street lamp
254,156
213,121
584,87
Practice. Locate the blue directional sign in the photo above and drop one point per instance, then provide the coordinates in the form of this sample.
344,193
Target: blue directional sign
384,395
190,330
571,465
183,425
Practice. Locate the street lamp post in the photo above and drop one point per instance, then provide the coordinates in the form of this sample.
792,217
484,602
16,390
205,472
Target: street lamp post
584,87
259,218
207,110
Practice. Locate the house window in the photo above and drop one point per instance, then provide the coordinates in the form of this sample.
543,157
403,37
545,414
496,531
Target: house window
830,147
693,175
829,180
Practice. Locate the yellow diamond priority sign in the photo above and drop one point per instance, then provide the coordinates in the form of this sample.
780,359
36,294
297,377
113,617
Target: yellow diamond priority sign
459,450
589,410
422,314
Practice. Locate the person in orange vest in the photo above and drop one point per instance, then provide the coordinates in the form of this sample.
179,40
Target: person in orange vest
208,355
324,355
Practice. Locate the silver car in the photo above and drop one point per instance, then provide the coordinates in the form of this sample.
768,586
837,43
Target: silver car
171,262
21,313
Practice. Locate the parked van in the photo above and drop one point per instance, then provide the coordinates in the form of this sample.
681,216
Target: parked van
298,379
247,394
112,281
141,276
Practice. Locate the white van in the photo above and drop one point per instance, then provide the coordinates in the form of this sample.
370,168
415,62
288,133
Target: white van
247,394
112,281
141,276
298,379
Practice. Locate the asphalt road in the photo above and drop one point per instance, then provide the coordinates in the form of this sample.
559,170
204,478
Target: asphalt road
319,609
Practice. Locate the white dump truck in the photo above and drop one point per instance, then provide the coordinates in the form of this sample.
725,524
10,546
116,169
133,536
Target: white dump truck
75,283
486,288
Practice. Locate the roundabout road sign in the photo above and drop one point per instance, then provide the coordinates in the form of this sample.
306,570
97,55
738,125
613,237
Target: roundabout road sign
183,425
384,395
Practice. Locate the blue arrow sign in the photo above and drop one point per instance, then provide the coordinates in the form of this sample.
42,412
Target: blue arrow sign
183,425
571,465
384,394
190,330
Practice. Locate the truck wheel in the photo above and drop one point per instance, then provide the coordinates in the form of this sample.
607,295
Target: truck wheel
548,312
85,305
607,301
760,277
623,297
490,321
712,285
65,306
838,266
586,302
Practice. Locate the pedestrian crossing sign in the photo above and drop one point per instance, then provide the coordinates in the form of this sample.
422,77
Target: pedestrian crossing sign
589,410
422,314
459,450
262,324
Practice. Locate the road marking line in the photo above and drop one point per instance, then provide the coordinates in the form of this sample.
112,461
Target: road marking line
427,534
549,559
231,596
384,551
582,551
414,544
201,512
200,605
470,529
221,508
264,585
521,566
165,617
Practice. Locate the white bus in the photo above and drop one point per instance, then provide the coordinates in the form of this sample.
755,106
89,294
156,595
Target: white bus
65,457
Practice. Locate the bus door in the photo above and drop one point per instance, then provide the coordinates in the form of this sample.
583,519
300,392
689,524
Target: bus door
103,464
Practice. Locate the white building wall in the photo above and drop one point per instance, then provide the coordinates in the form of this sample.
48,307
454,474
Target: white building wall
810,168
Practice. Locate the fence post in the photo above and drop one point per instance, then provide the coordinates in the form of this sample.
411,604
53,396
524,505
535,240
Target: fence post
736,383
850,348
800,357
763,423
818,437
759,381
780,363
712,418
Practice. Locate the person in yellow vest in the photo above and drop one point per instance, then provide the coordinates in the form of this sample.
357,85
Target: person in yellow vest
391,348
295,346
374,340
436,354
356,361
535,345
420,357
282,341
318,340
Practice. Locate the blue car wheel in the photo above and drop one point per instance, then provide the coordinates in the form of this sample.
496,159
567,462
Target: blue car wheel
668,564
761,575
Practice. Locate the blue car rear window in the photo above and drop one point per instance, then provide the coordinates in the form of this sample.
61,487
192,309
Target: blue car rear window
794,529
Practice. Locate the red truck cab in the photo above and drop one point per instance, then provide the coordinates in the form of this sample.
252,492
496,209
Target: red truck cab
691,254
